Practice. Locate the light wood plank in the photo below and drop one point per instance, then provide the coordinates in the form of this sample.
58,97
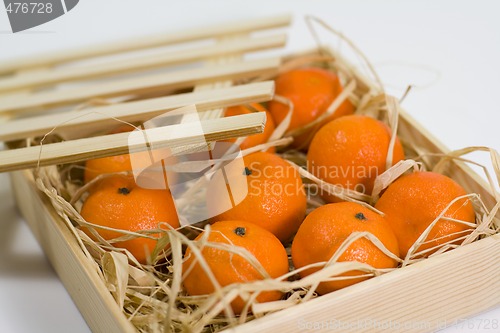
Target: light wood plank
138,43
116,144
140,85
422,297
217,112
97,118
241,45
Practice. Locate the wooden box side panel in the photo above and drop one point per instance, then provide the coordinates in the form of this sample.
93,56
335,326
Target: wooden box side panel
83,284
423,297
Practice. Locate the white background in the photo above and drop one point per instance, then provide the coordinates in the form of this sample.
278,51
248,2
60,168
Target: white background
449,49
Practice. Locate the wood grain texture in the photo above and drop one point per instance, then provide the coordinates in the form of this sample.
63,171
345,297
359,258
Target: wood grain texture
147,62
96,118
422,297
138,43
140,85
214,86
179,135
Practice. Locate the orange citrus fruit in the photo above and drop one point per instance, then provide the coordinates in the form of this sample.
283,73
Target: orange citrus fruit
149,162
327,227
256,139
311,90
275,200
111,164
351,151
117,202
123,163
229,268
415,200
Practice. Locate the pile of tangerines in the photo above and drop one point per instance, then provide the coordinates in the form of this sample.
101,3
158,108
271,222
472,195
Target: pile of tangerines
345,149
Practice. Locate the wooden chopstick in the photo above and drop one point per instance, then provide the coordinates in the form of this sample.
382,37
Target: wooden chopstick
168,57
116,144
98,118
139,85
138,43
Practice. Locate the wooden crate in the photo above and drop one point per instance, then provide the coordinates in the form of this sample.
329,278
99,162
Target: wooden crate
422,297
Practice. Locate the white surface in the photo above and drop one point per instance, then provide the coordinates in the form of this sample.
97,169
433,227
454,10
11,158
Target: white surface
448,49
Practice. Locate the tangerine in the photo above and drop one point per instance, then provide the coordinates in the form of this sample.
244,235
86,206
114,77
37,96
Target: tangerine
351,151
229,268
275,200
117,202
110,164
327,227
256,139
150,162
311,90
415,200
